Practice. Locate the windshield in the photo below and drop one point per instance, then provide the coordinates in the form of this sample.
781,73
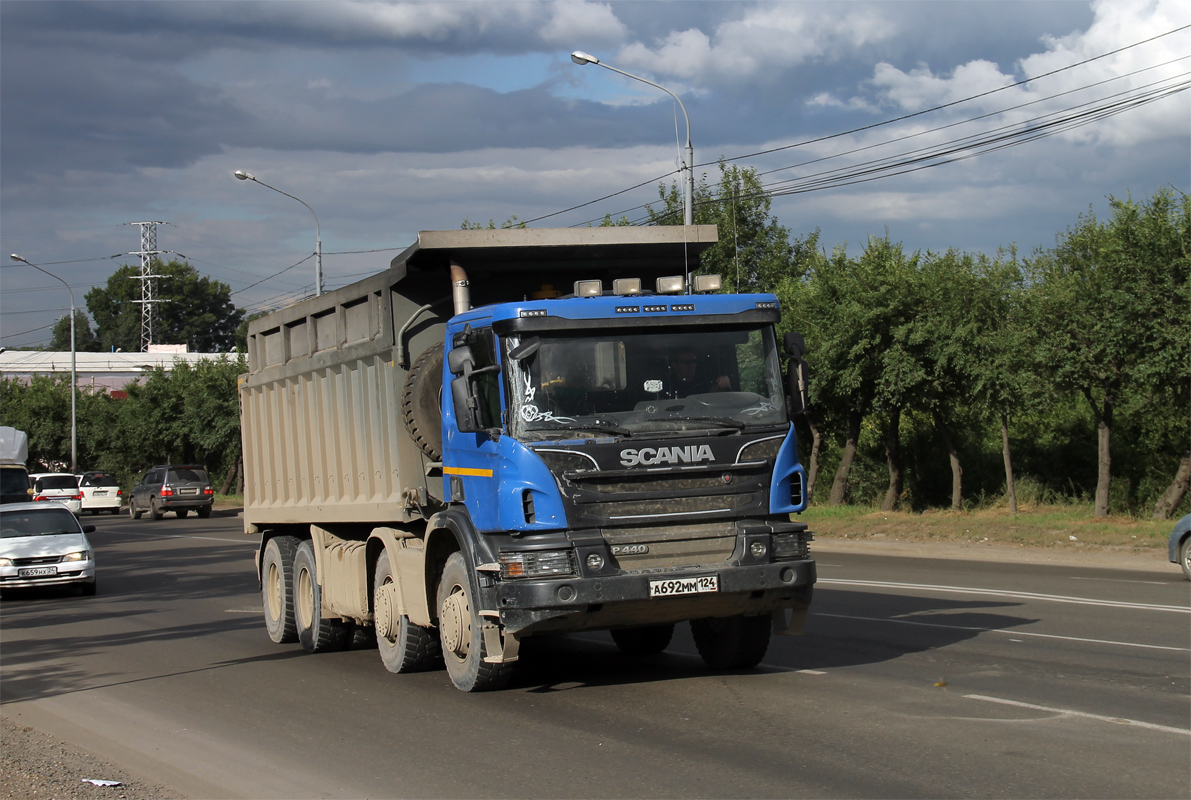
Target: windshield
40,522
644,383
14,480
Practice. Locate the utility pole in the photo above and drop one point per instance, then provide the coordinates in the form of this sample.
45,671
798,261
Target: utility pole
148,289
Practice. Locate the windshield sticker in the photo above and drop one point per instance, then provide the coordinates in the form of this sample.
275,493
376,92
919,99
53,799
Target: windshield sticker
530,413
653,386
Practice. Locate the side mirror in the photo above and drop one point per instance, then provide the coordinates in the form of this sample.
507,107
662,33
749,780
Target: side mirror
798,378
461,361
526,348
795,344
466,407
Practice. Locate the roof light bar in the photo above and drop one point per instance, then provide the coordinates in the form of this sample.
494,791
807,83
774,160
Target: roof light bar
674,284
589,288
707,283
626,286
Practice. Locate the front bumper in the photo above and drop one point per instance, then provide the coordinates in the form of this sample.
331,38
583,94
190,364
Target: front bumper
74,572
584,603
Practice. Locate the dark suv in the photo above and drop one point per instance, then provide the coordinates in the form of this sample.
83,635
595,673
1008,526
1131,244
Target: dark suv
172,487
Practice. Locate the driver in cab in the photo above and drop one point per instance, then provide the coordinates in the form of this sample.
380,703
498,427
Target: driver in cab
685,379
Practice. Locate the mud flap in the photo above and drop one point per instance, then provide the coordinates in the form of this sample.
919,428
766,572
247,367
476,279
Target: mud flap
502,648
796,623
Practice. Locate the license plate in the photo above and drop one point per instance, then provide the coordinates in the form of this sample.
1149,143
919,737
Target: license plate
675,586
189,491
36,572
98,493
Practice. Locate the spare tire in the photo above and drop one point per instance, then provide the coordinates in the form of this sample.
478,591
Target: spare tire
421,402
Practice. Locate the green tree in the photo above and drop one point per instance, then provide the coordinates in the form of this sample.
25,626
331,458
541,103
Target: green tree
754,251
194,310
1110,303
85,340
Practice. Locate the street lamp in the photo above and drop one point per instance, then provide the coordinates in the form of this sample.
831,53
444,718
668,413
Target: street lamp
74,440
318,236
581,58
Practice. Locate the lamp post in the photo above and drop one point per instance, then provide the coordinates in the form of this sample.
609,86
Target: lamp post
318,236
581,58
74,385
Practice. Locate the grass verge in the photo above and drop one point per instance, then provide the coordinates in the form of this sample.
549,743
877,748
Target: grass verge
1056,526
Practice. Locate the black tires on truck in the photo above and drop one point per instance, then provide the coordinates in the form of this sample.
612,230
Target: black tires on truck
277,588
316,633
460,634
421,401
403,646
734,642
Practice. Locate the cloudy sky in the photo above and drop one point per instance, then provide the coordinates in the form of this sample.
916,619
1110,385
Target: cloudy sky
949,123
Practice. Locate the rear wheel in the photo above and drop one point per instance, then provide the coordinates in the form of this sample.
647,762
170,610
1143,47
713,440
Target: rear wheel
182,512
643,641
154,511
733,643
460,634
132,510
277,588
316,633
204,512
403,646
115,511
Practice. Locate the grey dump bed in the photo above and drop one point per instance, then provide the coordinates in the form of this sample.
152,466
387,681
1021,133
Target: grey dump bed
323,436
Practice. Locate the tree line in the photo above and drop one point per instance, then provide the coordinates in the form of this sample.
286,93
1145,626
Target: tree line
939,379
953,379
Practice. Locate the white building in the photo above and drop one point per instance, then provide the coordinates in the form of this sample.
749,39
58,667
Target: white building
106,372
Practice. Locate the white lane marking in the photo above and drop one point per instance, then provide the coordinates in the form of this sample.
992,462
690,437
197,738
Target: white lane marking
242,610
1013,632
1054,598
1119,580
186,536
1066,712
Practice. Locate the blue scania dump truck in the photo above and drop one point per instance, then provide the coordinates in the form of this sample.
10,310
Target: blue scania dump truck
530,431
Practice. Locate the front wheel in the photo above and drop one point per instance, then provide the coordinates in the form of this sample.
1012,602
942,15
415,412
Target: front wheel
460,634
403,646
277,588
1185,557
316,633
733,643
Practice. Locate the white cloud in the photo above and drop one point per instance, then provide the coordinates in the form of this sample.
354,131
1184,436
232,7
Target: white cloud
572,22
764,39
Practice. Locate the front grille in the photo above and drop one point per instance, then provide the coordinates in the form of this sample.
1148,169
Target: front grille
36,560
627,511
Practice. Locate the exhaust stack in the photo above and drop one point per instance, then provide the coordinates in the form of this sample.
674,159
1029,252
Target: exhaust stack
460,293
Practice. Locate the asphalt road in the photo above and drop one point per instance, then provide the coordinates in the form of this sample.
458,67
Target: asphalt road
917,678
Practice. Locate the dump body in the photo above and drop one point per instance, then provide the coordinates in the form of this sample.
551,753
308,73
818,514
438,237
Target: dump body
450,437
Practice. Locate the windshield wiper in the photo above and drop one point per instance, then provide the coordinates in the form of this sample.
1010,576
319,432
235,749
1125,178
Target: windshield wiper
727,422
597,424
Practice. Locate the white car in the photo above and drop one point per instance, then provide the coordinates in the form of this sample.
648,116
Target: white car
101,492
43,544
58,487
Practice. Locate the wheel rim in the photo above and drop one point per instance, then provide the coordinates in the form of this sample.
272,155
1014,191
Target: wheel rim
273,592
383,612
305,598
455,621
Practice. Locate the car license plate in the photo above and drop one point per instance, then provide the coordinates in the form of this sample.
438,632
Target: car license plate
98,493
675,586
189,491
36,572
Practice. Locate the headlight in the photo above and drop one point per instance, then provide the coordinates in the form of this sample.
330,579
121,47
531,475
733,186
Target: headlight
537,564
761,450
787,546
82,555
5,562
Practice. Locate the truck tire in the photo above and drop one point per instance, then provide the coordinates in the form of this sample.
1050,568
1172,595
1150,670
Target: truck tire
421,402
643,641
132,509
277,588
733,643
316,634
412,648
460,634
